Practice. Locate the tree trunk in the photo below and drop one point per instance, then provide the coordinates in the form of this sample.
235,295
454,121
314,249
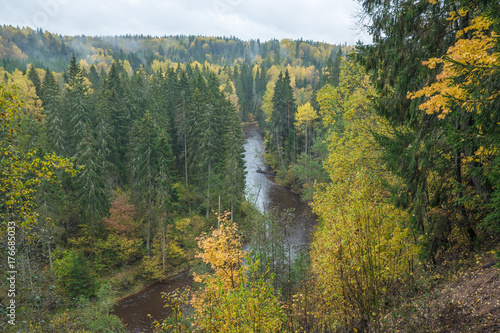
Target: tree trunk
185,157
50,263
232,205
149,234
306,139
208,190
218,216
163,245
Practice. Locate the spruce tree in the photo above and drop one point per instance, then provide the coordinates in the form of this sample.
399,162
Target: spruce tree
234,165
57,123
182,106
151,160
282,124
90,184
77,106
35,78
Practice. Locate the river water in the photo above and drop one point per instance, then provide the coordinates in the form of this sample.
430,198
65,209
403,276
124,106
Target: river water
264,193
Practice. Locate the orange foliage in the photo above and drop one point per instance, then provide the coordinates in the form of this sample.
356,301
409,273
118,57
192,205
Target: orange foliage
121,218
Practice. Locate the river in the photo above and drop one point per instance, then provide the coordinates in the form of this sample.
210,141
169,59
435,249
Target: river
264,193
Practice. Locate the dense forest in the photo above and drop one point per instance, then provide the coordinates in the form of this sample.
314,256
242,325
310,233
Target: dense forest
122,162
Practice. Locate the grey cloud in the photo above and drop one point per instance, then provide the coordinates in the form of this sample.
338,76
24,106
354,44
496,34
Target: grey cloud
329,21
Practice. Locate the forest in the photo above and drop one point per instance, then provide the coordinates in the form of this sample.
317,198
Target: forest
122,163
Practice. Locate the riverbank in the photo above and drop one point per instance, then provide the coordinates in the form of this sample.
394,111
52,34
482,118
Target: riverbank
140,299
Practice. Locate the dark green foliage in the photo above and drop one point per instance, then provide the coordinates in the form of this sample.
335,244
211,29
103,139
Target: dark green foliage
33,76
77,107
151,175
442,191
331,73
90,183
56,120
234,165
117,114
282,139
74,274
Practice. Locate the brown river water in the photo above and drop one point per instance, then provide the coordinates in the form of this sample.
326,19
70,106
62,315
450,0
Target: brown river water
264,193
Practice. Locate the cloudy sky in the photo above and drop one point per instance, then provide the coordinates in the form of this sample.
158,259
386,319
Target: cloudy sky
331,21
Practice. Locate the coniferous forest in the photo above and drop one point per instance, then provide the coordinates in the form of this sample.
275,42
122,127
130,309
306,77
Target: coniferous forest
122,163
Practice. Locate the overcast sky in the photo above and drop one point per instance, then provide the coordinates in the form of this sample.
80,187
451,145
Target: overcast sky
330,21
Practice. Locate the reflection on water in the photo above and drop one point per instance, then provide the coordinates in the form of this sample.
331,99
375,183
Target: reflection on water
262,191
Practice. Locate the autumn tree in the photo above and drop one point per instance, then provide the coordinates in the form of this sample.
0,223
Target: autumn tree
305,116
362,242
227,301
22,172
464,98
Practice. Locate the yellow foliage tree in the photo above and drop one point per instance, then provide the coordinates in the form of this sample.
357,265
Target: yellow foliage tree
465,98
222,250
361,242
267,100
228,301
476,54
305,117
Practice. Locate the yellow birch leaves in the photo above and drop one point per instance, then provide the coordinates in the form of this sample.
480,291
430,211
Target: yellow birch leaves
21,172
472,59
361,242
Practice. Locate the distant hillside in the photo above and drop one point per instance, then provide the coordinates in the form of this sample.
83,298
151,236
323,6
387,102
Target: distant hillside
22,46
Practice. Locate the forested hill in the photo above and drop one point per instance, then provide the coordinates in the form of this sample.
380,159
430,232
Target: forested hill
21,46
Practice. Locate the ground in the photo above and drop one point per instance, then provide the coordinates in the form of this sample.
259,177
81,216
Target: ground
462,297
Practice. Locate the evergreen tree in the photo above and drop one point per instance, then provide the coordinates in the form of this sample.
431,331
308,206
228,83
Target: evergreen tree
150,166
332,71
94,77
77,106
91,190
210,137
282,131
118,117
138,96
57,123
182,121
428,153
35,78
234,165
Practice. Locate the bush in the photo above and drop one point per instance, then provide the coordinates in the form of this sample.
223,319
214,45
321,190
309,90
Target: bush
74,274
